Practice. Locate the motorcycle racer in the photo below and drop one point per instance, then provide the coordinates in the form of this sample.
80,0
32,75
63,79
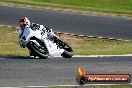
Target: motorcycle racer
25,23
41,41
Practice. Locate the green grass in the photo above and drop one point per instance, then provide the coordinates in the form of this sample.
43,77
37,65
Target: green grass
81,45
105,6
9,43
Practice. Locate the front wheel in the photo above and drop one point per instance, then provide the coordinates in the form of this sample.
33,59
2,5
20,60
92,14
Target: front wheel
40,51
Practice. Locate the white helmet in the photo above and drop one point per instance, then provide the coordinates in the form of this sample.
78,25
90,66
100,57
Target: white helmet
23,22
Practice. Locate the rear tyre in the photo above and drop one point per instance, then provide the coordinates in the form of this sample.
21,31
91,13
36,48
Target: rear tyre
67,54
37,50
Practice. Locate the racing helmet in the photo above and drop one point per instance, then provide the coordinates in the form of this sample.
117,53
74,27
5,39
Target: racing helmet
23,22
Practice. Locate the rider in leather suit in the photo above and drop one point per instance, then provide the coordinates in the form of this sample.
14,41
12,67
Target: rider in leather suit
25,22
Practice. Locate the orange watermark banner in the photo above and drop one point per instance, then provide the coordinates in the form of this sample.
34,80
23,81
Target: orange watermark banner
83,78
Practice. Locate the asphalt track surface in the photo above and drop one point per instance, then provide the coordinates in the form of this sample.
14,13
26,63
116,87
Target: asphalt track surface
76,23
23,71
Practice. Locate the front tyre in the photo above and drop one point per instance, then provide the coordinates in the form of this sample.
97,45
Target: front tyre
40,52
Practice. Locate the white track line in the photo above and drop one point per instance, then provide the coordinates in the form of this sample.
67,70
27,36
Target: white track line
98,55
68,85
102,55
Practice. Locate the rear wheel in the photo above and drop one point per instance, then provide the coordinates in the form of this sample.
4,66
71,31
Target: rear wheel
68,52
40,51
